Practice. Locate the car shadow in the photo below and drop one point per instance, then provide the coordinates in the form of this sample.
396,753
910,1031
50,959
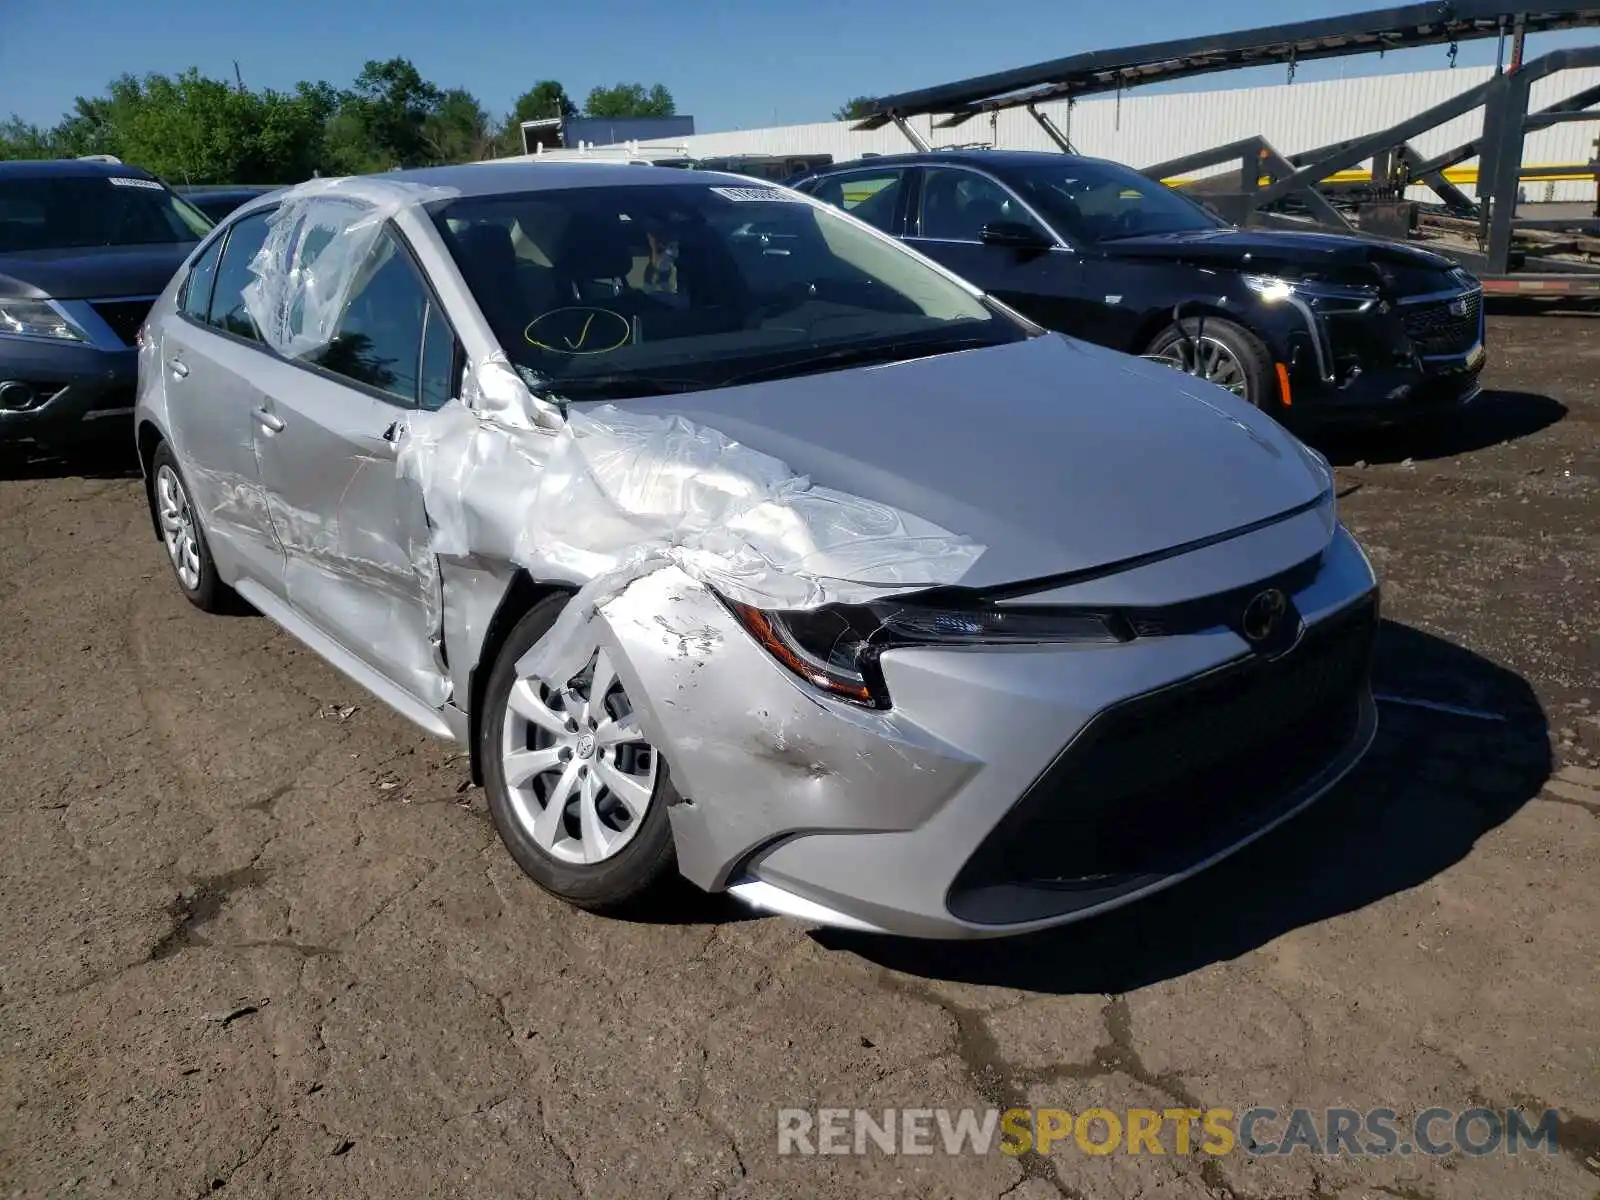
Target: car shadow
1495,416
111,460
681,903
1434,783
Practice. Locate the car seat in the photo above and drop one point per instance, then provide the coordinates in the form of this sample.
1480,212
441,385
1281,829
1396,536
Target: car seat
592,251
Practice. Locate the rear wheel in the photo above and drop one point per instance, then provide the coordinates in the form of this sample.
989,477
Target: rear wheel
183,538
1220,352
576,792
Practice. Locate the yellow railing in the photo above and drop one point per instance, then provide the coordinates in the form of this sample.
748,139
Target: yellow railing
1458,175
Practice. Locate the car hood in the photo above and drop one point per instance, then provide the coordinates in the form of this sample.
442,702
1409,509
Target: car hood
1057,456
1270,249
91,272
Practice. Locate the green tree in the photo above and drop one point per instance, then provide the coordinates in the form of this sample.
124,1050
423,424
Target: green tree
630,100
855,109
290,138
547,98
189,128
19,139
90,128
390,105
459,130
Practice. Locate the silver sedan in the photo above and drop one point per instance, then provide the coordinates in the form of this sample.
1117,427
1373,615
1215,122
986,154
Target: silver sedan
738,541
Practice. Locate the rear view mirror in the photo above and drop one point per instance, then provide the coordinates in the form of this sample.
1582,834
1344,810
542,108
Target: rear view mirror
1017,234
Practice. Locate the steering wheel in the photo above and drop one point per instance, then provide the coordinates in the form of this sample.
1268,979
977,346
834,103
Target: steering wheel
578,329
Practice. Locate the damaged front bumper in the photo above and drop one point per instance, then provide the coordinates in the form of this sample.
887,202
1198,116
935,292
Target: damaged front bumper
1005,790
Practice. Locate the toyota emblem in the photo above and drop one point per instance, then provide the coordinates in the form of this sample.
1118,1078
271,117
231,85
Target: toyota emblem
1458,308
1262,614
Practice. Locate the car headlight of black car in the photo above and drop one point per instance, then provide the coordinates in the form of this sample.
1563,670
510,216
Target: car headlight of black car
836,647
1324,295
38,319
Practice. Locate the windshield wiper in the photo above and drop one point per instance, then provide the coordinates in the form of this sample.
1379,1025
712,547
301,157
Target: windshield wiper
848,356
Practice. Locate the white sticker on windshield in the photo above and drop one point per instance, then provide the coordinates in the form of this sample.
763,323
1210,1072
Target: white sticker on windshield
130,181
757,193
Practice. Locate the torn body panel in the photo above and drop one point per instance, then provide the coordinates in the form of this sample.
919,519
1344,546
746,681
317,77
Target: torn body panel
473,590
616,494
754,752
353,530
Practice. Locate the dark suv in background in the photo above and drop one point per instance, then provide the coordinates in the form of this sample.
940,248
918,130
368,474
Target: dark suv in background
1309,326
218,202
85,248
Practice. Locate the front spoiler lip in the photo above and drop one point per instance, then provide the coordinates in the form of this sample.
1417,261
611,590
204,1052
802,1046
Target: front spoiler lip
772,898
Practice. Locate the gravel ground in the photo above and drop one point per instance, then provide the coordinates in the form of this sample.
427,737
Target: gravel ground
257,936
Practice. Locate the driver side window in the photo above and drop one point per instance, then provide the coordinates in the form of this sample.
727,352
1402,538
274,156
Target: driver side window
391,335
957,204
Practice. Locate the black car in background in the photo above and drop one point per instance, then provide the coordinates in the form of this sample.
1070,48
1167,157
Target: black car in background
85,248
1308,326
218,202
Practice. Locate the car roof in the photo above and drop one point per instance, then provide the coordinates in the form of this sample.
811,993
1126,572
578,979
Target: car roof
405,189
976,156
494,179
55,168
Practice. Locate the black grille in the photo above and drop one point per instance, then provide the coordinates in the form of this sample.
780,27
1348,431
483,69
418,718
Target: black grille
1163,781
1434,329
124,316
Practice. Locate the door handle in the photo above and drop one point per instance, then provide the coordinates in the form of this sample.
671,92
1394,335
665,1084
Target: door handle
179,370
270,421
394,433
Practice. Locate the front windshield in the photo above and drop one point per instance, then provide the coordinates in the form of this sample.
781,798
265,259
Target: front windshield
64,212
639,290
1094,201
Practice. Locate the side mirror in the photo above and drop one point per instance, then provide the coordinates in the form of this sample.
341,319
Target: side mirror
1016,234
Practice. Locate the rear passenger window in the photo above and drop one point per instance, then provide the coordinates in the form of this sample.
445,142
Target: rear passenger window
378,339
196,299
227,301
872,197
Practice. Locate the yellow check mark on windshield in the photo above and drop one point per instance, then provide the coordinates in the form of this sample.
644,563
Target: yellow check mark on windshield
583,335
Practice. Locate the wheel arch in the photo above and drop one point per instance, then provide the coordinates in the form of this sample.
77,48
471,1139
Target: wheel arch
1152,326
148,439
521,594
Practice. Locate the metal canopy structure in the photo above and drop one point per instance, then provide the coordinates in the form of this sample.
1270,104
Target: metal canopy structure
1102,71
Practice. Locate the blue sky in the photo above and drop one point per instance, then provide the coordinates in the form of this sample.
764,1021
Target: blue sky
729,65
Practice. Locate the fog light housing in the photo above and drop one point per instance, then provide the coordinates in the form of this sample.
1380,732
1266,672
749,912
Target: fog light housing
17,396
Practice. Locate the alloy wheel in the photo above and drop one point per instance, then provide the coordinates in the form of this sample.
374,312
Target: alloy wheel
1208,359
178,527
578,771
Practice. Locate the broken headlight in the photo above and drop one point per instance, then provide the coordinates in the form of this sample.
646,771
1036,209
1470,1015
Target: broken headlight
836,647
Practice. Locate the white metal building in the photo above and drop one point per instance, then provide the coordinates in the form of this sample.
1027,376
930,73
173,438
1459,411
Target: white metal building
1145,129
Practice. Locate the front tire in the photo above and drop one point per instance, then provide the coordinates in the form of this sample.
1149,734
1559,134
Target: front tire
577,794
1221,352
184,539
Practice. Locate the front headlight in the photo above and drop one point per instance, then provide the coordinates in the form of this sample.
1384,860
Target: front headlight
836,648
37,319
1269,287
1321,294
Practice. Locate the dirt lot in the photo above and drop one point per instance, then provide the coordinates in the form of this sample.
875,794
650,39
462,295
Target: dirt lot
257,941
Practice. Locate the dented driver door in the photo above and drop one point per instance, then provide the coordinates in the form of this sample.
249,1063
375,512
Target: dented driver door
355,534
